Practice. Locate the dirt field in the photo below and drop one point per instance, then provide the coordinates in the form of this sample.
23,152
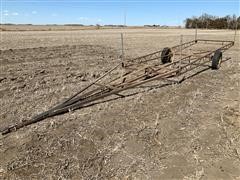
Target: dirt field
183,131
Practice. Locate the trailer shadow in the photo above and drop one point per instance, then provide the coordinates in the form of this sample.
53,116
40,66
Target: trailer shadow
146,88
151,87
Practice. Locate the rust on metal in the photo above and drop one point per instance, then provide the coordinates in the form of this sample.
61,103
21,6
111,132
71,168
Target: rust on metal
138,71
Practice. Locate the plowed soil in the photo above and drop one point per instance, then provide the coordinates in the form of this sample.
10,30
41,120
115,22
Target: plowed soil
182,131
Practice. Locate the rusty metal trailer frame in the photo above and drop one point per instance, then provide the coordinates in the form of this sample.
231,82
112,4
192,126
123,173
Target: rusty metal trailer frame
138,71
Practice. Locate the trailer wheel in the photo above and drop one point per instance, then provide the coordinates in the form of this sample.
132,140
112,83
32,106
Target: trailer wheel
217,59
166,55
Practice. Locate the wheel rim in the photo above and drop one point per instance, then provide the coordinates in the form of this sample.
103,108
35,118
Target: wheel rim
220,62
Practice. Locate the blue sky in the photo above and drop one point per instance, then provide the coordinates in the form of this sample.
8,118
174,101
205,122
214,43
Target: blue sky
138,12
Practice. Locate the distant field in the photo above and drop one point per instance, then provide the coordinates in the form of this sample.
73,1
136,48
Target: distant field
43,27
57,27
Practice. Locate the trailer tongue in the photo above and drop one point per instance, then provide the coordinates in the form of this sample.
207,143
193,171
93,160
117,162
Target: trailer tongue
169,64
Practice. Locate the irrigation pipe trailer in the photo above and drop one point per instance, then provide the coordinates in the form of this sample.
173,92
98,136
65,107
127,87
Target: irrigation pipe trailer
168,65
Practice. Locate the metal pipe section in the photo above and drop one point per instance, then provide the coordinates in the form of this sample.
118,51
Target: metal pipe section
132,79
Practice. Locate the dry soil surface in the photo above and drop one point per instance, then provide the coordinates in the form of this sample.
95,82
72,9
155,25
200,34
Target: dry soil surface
183,131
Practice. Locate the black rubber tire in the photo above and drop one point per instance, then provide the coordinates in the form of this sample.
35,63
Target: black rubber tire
216,59
166,55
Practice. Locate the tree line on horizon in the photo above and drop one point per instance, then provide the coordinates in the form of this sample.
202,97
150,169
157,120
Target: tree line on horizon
207,21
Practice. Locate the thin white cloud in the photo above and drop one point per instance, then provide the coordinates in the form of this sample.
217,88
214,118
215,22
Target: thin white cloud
83,18
7,13
34,12
89,20
14,14
54,15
